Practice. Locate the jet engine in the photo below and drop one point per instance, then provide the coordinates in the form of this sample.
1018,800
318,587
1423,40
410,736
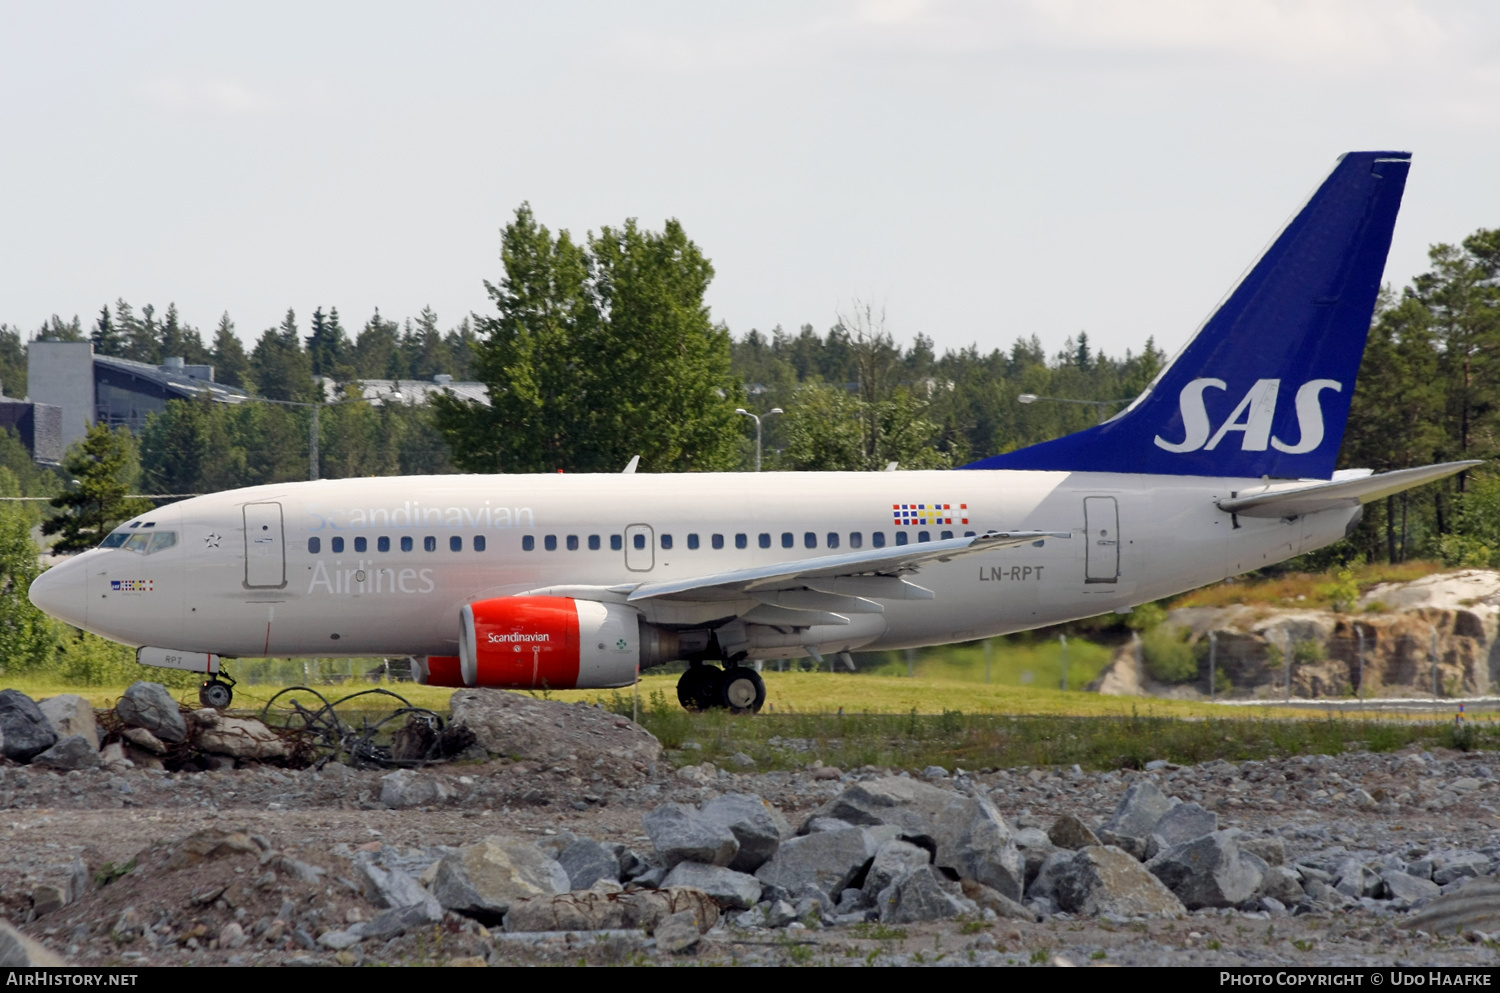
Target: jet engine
547,642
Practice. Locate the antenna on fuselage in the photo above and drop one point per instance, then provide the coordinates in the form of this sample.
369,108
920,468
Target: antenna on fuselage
629,469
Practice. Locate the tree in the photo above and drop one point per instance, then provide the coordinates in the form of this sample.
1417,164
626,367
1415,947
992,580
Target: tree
327,346
598,352
280,367
105,465
231,365
26,638
106,337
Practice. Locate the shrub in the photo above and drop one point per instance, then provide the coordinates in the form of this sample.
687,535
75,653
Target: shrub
1168,656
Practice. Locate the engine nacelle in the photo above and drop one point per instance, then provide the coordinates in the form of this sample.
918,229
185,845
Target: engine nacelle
537,642
437,670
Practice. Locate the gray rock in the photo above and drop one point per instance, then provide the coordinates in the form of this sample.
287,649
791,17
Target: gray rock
816,823
1031,837
150,706
72,752
756,825
828,861
1044,886
1355,879
400,920
893,860
681,834
1282,884
1135,817
47,899
1108,880
408,788
1209,871
918,896
79,880
387,887
24,732
586,862
71,714
145,740
1459,866
483,879
336,940
1408,889
1272,849
1186,822
17,951
1475,907
112,757
1002,906
590,910
1071,833
731,889
678,933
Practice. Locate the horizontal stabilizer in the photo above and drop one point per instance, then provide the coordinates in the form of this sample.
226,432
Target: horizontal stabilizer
1299,500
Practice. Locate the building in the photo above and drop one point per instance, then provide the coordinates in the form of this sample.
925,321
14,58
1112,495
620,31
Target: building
89,388
38,425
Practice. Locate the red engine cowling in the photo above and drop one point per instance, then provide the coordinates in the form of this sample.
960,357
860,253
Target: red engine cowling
438,670
537,642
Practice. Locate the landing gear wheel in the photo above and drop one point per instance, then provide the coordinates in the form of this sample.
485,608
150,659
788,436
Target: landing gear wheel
743,691
699,687
215,694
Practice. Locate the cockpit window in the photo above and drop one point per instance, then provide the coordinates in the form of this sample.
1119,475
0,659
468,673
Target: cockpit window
144,542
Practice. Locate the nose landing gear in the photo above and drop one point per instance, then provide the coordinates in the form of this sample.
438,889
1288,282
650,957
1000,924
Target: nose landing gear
736,688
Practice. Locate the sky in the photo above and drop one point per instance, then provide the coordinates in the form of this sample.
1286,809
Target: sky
981,171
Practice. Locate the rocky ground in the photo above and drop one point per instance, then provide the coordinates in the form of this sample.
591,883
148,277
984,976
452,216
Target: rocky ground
569,847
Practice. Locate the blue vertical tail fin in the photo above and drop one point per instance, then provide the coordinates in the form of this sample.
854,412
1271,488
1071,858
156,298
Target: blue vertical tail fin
1264,387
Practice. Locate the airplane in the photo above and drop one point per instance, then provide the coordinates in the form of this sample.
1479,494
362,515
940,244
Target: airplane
1224,464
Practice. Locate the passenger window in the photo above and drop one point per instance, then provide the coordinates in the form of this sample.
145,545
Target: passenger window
692,541
833,539
666,541
809,540
429,543
528,543
718,541
383,544
878,538
455,544
572,542
138,543
787,541
968,534
946,535
616,543
406,545
765,540
361,544
550,542
640,542
742,541
902,537
314,545
163,539
337,545
479,543
856,539
924,536
593,542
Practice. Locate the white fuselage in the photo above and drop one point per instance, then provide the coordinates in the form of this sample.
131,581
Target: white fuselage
299,568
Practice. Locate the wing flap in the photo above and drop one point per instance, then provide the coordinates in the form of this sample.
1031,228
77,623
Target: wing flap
827,572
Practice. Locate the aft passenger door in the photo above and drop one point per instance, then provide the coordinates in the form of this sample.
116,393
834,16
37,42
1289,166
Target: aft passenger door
265,552
1101,529
640,548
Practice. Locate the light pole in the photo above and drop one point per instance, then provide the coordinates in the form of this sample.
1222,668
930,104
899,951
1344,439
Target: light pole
1103,405
313,426
756,418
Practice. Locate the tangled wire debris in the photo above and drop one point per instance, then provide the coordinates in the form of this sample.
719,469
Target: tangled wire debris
324,736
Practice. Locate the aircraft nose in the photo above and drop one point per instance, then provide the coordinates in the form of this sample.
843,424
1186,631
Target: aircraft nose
61,591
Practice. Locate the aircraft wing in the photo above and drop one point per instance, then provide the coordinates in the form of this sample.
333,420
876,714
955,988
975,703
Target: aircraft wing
874,573
1337,493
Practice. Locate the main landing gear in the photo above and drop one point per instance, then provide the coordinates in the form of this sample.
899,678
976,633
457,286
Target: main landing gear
736,688
217,691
